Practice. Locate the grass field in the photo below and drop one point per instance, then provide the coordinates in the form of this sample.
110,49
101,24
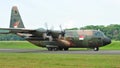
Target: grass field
115,45
17,44
41,60
30,60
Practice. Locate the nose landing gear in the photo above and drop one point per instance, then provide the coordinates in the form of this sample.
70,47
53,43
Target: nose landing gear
96,48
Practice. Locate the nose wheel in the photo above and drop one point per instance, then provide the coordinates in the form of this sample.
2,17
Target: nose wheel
96,49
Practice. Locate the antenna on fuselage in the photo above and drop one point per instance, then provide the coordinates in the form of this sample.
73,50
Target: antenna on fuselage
98,29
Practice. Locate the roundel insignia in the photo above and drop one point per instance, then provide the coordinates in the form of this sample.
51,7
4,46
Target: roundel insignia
16,24
81,37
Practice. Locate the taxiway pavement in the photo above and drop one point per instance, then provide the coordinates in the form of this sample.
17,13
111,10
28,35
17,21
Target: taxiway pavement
60,52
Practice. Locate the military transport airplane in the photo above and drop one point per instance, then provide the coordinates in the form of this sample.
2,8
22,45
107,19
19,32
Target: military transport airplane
57,40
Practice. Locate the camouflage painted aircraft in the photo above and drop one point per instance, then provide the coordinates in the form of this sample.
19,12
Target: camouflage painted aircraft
57,40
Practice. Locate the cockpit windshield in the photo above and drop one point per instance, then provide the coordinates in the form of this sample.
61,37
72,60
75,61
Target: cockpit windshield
99,34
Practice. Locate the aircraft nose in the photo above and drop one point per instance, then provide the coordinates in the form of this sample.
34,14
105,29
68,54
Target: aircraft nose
106,41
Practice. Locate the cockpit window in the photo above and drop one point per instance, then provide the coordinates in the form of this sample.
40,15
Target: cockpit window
99,34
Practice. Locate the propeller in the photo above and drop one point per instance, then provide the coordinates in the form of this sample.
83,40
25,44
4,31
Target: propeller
52,28
46,25
62,31
48,33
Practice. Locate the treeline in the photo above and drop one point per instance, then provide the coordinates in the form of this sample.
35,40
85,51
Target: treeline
112,31
10,37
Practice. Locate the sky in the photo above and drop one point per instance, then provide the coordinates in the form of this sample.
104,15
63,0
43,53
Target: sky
67,13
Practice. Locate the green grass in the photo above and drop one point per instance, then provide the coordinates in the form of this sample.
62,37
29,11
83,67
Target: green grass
40,60
30,60
115,45
17,44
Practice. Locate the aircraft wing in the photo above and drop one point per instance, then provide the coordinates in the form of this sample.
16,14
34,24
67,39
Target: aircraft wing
15,30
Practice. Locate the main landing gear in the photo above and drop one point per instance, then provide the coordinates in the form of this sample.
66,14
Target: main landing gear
57,48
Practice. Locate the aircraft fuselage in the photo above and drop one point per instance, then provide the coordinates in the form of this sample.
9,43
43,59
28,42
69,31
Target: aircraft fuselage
72,38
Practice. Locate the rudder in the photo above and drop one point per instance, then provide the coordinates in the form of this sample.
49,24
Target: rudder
16,21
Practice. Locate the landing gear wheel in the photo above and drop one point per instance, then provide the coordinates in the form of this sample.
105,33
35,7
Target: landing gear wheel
60,48
55,49
66,49
96,49
50,49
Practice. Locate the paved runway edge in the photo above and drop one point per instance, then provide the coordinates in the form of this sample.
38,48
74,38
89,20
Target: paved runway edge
59,52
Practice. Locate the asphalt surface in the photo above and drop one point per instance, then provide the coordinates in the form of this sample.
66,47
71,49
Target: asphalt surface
60,52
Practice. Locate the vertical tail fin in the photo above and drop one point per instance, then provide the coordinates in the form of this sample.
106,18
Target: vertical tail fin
16,21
